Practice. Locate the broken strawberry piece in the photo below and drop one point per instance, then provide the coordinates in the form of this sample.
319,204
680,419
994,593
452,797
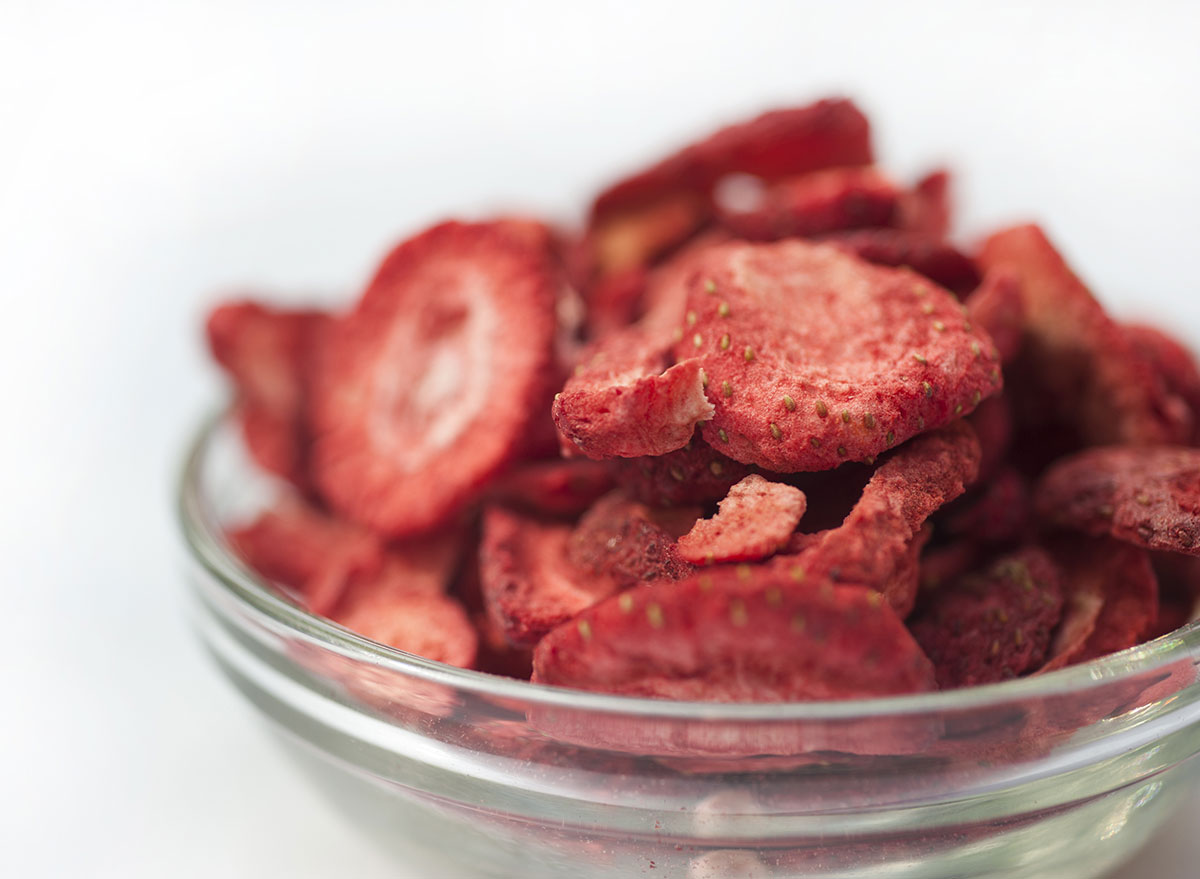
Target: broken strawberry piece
736,634
630,543
996,305
430,625
1116,576
424,392
815,204
927,208
874,542
308,552
1148,495
814,358
992,626
529,585
626,400
1175,364
695,474
927,255
1078,371
753,521
553,488
268,353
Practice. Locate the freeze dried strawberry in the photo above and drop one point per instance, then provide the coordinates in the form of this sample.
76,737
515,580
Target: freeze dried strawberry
1078,371
1081,611
736,634
1145,495
1175,364
927,209
1122,578
310,553
268,354
695,474
874,542
626,400
814,204
613,302
996,306
814,357
430,386
992,626
927,255
553,488
529,585
992,422
431,625
753,521
629,542
999,512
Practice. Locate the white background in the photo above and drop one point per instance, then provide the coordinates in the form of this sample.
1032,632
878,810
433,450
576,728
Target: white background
154,154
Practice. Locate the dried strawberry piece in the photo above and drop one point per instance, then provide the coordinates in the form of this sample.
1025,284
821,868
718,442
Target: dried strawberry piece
430,386
529,585
613,302
815,204
626,400
1078,371
753,521
927,255
553,488
1175,365
814,357
927,209
268,353
695,474
736,634
1145,495
996,305
992,422
631,543
431,625
1121,578
992,626
310,553
875,540
999,512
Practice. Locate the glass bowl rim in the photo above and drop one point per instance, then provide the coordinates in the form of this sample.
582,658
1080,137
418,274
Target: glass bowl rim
207,546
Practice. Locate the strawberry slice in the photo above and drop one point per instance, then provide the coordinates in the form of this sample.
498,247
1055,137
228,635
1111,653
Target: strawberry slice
996,305
626,400
815,204
815,358
927,255
736,634
754,521
695,474
431,384
268,353
630,542
1175,364
434,626
529,585
553,488
927,209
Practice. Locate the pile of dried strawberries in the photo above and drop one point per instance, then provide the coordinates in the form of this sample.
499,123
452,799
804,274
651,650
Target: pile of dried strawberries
760,432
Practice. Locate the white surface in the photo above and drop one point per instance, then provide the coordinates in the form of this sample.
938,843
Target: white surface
152,154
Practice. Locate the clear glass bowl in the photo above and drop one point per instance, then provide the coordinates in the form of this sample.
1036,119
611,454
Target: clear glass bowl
1059,776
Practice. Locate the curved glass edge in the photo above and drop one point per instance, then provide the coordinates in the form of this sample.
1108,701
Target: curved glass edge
208,547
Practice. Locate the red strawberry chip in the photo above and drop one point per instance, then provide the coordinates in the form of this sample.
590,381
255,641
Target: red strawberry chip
430,385
630,543
553,488
310,553
873,545
754,521
993,424
814,358
695,474
815,204
997,307
999,512
268,353
1145,495
995,625
1078,370
1121,580
927,255
736,634
431,625
529,585
626,400
1175,364
928,209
